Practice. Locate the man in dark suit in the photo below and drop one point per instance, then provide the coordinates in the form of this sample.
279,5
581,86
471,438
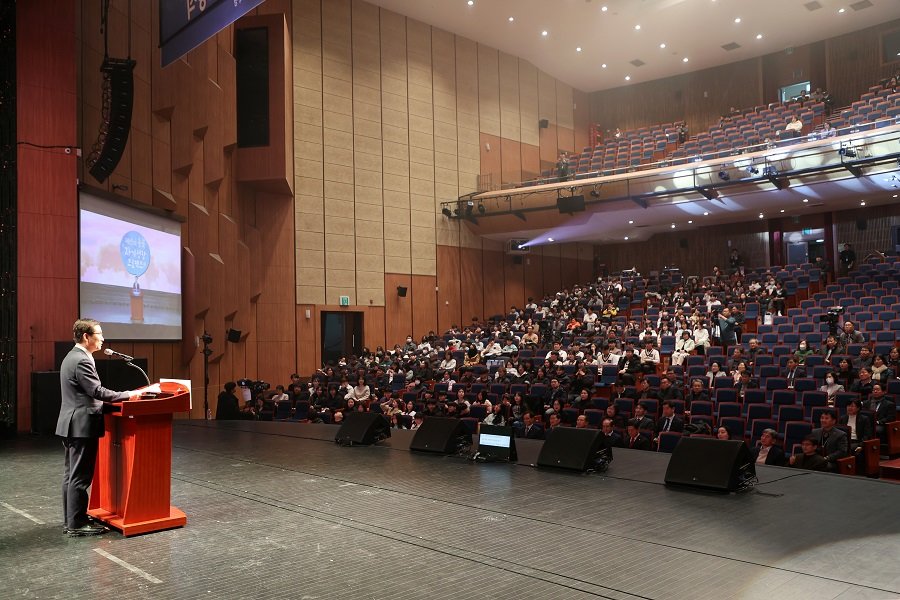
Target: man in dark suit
810,460
793,371
80,423
667,391
228,408
832,442
612,437
860,426
768,453
669,421
532,430
635,440
645,422
884,408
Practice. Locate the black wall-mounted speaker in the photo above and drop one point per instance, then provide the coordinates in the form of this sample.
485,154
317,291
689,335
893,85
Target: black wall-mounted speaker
118,75
401,291
570,204
544,123
233,335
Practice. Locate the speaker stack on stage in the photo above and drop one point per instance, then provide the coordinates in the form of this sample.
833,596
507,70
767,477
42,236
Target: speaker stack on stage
363,429
711,464
575,449
444,435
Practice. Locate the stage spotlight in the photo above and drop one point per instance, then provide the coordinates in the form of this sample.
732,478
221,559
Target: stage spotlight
595,194
446,212
724,176
470,206
847,152
480,208
752,170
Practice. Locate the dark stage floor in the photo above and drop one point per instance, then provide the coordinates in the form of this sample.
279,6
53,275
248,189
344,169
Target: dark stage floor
274,512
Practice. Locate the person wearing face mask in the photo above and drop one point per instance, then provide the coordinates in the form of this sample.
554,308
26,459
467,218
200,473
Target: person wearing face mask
803,350
831,387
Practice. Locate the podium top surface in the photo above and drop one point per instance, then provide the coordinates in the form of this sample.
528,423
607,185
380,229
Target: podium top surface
172,398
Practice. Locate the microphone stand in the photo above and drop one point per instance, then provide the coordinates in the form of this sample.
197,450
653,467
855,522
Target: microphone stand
144,373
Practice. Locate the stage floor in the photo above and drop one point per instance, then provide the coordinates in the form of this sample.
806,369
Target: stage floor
277,510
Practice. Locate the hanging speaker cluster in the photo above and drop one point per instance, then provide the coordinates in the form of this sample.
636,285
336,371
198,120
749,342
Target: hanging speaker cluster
118,98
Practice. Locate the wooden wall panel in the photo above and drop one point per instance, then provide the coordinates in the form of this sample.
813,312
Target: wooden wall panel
471,283
531,161
449,299
853,62
552,268
877,233
491,158
397,310
513,281
374,327
511,159
424,305
534,275
492,284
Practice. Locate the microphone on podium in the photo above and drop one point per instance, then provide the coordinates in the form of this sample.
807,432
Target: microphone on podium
111,352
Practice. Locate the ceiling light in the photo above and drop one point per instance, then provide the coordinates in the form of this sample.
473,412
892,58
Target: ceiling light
841,11
806,200
470,2
628,78
862,202
759,36
545,33
782,210
549,239
662,45
685,59
626,238
511,19
690,222
604,9
603,66
894,196
637,27
737,20
761,216
706,213
673,225
578,49
632,222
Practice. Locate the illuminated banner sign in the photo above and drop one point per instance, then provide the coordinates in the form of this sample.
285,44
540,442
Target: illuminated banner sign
185,24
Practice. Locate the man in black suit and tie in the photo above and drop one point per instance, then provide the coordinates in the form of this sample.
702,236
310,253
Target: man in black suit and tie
767,453
635,440
532,430
80,423
832,441
669,421
884,408
793,371
645,423
612,437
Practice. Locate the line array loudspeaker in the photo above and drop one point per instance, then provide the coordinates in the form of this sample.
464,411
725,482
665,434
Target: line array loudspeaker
118,97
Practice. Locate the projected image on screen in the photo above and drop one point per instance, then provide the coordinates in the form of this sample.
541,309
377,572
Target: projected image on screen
130,267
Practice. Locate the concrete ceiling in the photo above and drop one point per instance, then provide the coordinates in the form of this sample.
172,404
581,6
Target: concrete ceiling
692,29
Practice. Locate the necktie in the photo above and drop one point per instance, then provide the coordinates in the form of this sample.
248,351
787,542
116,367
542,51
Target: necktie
668,422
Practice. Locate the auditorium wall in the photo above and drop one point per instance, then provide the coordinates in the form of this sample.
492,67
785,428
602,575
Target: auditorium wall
867,229
393,117
846,66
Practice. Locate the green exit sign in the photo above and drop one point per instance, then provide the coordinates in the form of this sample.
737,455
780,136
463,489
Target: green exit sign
345,300
807,232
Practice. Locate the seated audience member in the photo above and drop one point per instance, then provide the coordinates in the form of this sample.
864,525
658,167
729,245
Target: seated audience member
745,383
793,129
644,421
228,408
863,360
739,369
496,416
803,350
649,358
722,433
845,374
531,430
695,394
863,385
667,391
832,441
360,392
643,392
418,418
612,437
831,387
860,426
553,420
754,351
581,422
715,372
881,372
767,452
830,349
449,363
669,421
810,459
793,371
684,346
612,413
849,335
629,366
635,440
893,361
884,408
530,339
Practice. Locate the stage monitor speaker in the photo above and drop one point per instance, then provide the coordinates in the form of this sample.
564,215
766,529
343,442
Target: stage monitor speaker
118,79
233,335
711,464
570,204
46,398
401,291
575,449
544,123
440,434
363,428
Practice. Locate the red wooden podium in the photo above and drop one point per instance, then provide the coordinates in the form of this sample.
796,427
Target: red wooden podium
132,483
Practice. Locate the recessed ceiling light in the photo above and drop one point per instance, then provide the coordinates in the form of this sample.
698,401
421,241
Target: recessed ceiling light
604,8
806,200
470,2
737,20
511,19
673,225
782,210
862,202
663,45
761,216
637,27
626,238
685,59
603,66
549,239
759,36
894,196
841,11
631,222
578,49
545,33
706,213
628,78
690,222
